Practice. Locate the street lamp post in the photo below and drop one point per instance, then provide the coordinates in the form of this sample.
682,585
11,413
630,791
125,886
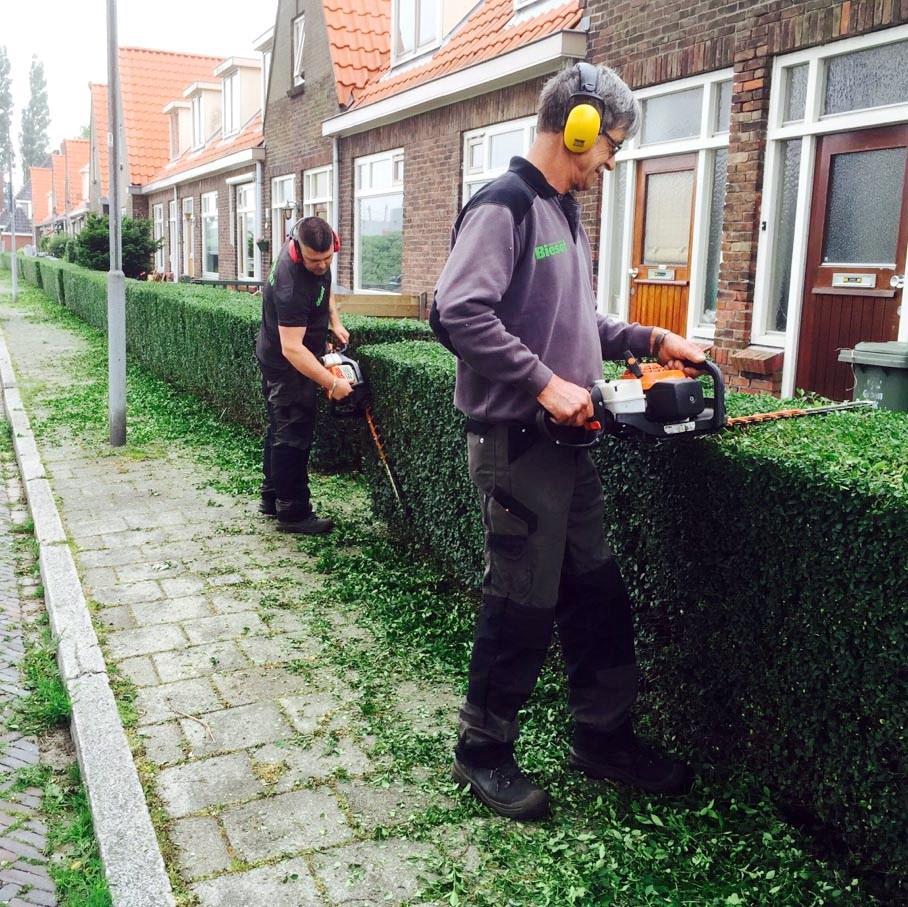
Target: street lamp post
14,262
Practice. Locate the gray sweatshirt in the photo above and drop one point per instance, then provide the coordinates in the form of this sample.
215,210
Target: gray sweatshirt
516,297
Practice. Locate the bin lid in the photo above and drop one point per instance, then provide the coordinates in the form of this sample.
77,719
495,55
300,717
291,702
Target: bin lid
891,353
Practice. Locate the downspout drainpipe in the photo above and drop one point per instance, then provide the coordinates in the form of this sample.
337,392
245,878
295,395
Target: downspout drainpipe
335,183
176,254
259,233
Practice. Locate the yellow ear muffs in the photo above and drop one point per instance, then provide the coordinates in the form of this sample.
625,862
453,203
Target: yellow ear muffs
581,128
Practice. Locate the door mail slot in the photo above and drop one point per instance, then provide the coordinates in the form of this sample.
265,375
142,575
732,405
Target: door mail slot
660,273
861,281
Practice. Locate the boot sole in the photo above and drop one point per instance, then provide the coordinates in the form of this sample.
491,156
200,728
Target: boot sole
294,529
534,809
595,770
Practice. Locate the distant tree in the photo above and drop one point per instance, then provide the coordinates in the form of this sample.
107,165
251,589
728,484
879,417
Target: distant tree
85,132
6,112
35,119
93,245
56,245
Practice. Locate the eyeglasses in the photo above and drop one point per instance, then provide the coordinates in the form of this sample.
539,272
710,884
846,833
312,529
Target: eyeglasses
615,146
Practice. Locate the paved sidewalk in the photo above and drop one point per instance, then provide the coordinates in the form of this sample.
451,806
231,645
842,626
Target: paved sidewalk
23,837
260,762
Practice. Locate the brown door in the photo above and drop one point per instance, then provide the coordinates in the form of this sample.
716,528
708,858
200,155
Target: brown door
663,220
856,246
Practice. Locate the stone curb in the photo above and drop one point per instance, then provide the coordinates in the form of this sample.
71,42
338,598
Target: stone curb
129,848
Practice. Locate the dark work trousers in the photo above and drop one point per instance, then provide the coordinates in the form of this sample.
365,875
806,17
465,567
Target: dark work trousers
290,400
546,563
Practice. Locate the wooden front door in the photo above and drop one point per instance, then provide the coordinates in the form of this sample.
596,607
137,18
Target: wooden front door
855,253
663,222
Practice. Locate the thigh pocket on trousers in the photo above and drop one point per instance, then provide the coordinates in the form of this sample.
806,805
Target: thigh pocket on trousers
510,566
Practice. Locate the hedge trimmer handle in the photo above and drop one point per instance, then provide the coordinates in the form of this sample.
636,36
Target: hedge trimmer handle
717,401
587,435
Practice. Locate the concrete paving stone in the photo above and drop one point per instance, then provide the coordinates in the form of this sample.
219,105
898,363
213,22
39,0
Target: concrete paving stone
320,760
235,729
32,876
225,626
137,573
148,519
428,708
198,661
116,557
256,684
277,649
286,823
183,585
287,622
163,743
20,850
285,884
387,804
89,542
145,640
48,528
127,593
231,602
374,872
199,785
140,671
201,848
223,580
176,700
309,711
85,528
98,577
171,610
116,617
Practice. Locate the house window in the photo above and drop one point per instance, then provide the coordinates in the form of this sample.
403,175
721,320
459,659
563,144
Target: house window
210,235
299,40
488,152
245,230
157,212
188,238
231,101
415,27
317,194
378,206
283,210
172,241
198,123
664,204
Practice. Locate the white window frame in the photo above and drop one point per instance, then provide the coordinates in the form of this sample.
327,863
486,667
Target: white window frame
188,209
172,237
230,103
277,211
267,56
418,49
808,130
472,176
197,103
704,145
396,157
211,213
297,69
244,264
157,217
310,200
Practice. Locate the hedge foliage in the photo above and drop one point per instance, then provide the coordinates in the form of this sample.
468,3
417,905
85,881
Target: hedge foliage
769,569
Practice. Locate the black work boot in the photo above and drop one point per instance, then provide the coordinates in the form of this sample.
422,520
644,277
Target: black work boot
619,756
496,779
267,506
290,518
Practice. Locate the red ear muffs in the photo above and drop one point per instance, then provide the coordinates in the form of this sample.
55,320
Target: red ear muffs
337,242
295,255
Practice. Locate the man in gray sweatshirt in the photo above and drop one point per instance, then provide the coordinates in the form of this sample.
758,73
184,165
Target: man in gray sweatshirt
515,301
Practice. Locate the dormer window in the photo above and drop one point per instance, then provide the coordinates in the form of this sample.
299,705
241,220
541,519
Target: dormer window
231,100
415,25
299,40
198,123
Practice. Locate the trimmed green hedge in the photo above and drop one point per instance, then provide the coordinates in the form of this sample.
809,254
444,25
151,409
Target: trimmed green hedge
769,569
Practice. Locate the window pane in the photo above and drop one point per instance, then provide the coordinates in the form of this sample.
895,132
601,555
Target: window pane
867,78
784,235
428,22
714,251
668,200
476,156
503,147
795,94
618,264
672,116
210,240
723,109
380,173
321,185
862,210
381,236
406,26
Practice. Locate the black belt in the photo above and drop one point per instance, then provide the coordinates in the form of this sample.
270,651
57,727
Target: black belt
478,427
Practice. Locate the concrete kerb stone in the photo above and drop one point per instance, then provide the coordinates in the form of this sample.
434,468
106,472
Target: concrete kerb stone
129,849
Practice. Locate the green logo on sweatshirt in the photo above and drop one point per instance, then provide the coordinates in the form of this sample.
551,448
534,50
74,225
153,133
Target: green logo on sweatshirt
546,250
321,296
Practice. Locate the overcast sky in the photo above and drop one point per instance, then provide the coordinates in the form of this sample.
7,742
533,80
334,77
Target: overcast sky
70,38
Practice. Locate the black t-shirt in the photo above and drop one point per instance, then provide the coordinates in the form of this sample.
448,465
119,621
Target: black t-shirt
293,297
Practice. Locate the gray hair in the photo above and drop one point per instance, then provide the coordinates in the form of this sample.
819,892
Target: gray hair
620,109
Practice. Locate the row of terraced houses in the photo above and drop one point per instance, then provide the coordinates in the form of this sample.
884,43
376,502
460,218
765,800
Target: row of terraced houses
762,208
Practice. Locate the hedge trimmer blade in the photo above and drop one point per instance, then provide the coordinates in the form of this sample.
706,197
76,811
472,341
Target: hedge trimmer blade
382,455
759,418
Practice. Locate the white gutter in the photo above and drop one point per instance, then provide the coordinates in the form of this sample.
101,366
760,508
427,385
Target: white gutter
212,168
520,65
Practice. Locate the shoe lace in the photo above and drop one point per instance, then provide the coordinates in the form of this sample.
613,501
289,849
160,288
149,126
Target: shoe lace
505,775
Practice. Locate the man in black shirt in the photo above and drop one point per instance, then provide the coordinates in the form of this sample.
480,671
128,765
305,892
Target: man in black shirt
297,313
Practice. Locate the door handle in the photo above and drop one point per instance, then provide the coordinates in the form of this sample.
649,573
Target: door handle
633,272
897,281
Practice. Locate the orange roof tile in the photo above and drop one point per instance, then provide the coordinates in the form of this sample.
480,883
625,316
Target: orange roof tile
76,153
41,180
359,35
250,136
99,130
58,166
485,34
149,79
